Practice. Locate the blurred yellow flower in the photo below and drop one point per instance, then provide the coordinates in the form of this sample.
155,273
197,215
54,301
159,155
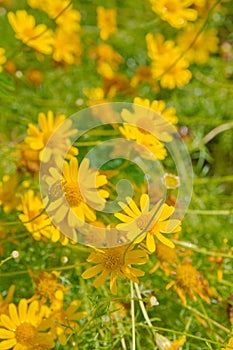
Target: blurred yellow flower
36,221
152,144
115,262
38,37
38,137
67,47
21,329
106,19
157,46
61,11
175,12
198,45
106,53
47,287
171,70
188,280
9,192
2,58
159,106
150,224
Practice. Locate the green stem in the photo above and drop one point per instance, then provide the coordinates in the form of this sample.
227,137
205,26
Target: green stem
204,251
132,316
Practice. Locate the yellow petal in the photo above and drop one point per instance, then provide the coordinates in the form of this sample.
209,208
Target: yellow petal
123,217
7,344
32,311
144,202
165,240
101,279
113,286
5,334
92,271
167,212
23,307
7,322
14,314
150,242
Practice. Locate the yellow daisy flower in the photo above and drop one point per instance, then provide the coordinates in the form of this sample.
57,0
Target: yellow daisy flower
175,12
159,106
115,262
148,122
21,329
172,72
106,19
2,58
67,47
47,287
75,204
105,53
150,224
38,137
189,280
202,45
61,11
157,46
151,143
36,221
38,37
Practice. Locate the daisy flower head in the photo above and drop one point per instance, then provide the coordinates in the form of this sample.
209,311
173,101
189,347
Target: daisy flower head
198,45
148,122
67,47
188,280
37,221
106,19
142,223
157,46
176,12
159,106
22,329
75,194
38,37
115,262
52,138
171,72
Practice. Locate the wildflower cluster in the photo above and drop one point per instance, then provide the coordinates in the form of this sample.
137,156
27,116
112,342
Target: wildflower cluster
92,206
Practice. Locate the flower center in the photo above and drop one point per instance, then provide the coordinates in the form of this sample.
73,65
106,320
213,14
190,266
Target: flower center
25,333
47,288
142,221
186,276
55,190
29,33
112,260
73,194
